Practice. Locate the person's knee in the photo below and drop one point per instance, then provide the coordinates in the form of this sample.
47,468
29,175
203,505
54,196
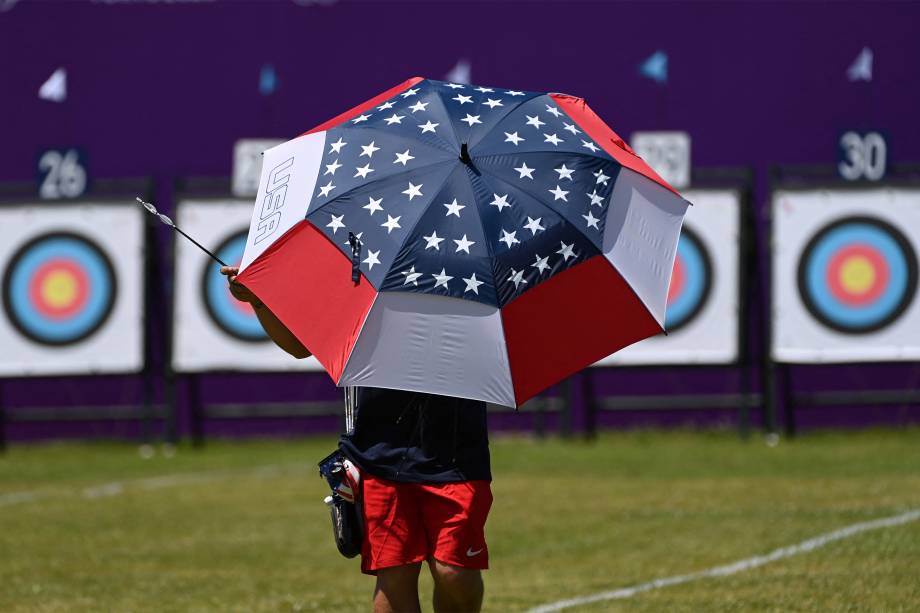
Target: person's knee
397,588
461,586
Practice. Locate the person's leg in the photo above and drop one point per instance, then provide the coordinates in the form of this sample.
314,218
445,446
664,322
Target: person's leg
397,589
394,543
455,516
456,589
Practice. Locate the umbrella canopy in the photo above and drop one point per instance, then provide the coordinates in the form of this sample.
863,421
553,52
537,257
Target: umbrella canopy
467,241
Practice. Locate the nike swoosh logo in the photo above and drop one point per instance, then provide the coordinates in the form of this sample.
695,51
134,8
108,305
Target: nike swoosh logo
470,553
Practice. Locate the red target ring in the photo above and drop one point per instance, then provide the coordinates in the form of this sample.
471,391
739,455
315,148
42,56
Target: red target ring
59,289
857,274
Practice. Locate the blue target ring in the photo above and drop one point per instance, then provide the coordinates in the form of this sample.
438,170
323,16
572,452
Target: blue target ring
691,281
59,288
235,318
857,275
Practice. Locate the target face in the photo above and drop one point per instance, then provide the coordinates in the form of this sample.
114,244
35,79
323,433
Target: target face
59,288
857,275
229,314
691,281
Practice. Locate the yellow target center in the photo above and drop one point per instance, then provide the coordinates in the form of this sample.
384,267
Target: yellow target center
857,274
59,289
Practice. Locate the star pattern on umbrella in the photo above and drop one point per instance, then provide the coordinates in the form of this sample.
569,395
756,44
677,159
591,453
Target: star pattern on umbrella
531,204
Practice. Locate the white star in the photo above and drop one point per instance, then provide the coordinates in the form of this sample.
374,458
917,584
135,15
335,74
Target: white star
442,279
463,244
368,150
363,171
463,99
589,145
512,137
524,171
592,221
552,138
409,92
535,121
558,194
413,190
484,90
419,106
331,168
360,118
411,276
402,158
517,277
565,173
337,145
600,176
493,103
454,85
508,238
394,118
514,92
428,126
336,223
391,223
386,105
596,198
551,109
534,225
325,189
471,119
373,205
453,208
472,284
540,263
434,242
371,259
571,128
566,251
500,201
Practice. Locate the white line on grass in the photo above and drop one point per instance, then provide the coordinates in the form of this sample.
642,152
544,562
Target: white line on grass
735,567
115,488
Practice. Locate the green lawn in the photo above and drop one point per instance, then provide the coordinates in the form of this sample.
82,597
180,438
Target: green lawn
240,526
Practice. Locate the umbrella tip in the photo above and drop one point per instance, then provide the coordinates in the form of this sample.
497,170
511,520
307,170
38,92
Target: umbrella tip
465,154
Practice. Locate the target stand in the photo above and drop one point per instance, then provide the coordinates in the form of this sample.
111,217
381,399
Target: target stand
844,284
708,315
75,319
218,351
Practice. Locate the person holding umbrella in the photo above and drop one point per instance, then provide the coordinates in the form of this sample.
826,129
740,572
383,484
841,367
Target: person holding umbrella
421,462
493,242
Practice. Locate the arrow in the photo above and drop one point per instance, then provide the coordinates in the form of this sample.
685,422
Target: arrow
169,222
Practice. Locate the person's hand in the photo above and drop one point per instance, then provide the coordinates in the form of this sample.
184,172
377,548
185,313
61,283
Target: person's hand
237,289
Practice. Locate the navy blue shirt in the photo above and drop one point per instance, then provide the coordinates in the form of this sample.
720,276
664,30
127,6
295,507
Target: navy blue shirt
411,437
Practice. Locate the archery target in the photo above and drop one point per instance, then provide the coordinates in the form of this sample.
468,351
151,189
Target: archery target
691,281
702,308
72,289
212,330
235,318
59,288
845,275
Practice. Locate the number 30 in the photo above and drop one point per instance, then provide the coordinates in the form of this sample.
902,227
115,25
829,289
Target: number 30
864,156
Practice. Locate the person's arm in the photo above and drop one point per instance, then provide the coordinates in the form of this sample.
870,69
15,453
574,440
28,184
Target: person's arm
276,330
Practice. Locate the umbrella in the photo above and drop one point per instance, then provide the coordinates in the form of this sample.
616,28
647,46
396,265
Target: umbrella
477,242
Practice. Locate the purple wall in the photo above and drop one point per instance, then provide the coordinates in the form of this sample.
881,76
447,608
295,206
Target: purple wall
164,90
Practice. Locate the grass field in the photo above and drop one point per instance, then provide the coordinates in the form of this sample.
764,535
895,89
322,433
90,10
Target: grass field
240,526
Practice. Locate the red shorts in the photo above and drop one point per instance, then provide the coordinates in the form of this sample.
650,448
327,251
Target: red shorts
406,523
